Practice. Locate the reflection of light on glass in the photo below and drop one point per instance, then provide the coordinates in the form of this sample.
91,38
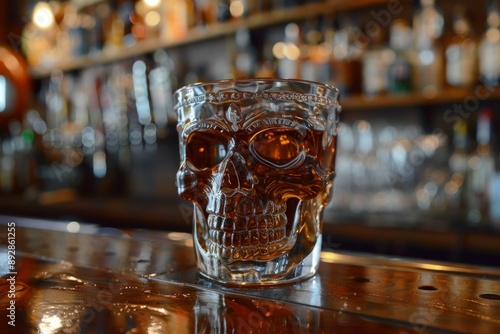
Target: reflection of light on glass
423,199
324,50
426,57
451,188
365,137
329,257
492,35
135,135
88,140
99,164
141,92
3,93
179,236
150,133
151,3
474,162
340,51
429,144
292,51
152,18
40,126
236,8
139,31
279,50
399,154
73,227
292,31
493,19
42,15
288,49
10,62
49,324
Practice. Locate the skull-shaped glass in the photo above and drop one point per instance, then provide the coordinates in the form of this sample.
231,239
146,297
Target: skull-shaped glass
257,162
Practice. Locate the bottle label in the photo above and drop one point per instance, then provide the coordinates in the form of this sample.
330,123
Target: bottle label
490,62
375,72
460,64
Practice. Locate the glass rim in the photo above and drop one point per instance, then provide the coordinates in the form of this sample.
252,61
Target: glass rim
188,94
258,80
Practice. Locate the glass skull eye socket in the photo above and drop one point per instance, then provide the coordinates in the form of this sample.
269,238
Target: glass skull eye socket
278,147
206,149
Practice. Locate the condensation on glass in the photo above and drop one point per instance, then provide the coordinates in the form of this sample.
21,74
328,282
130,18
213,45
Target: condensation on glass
257,162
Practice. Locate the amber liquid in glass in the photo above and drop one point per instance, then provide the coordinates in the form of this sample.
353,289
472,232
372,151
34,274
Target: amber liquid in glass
260,220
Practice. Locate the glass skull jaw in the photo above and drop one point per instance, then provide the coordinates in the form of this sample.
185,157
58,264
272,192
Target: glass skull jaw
258,179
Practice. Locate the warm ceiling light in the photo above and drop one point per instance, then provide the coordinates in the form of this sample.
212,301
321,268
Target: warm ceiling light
152,3
43,17
237,8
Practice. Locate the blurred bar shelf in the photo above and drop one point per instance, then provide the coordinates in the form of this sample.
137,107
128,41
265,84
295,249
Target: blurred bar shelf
446,95
195,35
262,20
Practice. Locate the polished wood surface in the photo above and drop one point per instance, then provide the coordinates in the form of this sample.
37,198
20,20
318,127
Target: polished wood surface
101,280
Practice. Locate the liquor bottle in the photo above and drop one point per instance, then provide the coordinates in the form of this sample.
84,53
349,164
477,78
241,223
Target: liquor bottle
458,167
400,71
125,11
39,37
336,60
55,101
148,20
376,61
461,53
489,49
115,33
480,165
288,52
72,25
178,17
242,8
315,53
428,27
93,23
222,10
160,88
266,67
363,163
244,58
348,49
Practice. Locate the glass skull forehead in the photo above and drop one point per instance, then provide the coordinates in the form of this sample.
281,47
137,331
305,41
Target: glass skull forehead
248,170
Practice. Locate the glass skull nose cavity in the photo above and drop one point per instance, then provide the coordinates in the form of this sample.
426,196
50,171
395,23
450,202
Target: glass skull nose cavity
257,162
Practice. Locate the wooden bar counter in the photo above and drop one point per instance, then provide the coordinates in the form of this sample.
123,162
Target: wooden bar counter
66,277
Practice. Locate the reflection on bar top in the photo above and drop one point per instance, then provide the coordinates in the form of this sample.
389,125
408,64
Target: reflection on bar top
147,282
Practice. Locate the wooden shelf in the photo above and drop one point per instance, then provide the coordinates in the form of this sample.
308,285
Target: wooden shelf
259,20
448,95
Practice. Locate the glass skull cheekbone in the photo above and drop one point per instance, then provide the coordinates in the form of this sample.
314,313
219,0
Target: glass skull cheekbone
259,172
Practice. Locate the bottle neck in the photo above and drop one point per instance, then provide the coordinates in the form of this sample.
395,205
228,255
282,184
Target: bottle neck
460,135
483,129
427,3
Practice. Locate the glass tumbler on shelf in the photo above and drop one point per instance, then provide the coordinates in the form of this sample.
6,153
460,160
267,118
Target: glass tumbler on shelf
258,163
